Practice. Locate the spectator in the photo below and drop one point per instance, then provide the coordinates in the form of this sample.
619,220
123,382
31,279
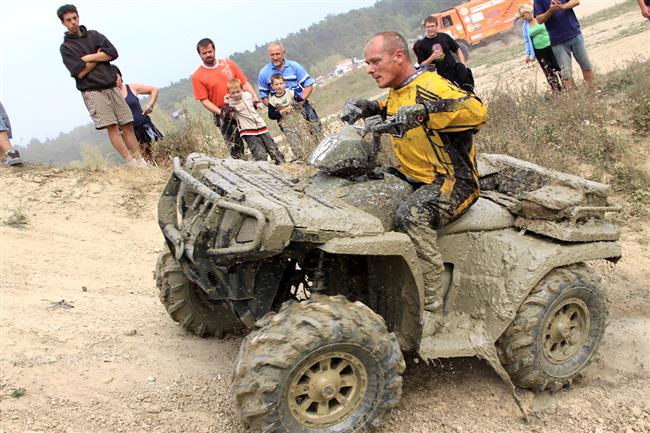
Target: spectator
285,107
538,45
435,50
9,155
210,84
645,8
145,131
250,124
296,78
86,54
566,38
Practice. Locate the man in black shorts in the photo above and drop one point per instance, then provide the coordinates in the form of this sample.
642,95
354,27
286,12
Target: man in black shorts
436,49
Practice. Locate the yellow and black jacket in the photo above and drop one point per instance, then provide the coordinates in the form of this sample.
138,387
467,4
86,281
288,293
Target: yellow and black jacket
443,145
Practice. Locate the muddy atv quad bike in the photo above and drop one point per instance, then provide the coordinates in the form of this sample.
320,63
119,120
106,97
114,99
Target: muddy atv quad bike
333,296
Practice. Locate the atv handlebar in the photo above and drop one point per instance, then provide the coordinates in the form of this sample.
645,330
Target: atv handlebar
378,125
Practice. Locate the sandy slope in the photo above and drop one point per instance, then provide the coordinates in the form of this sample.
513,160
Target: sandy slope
588,7
610,44
115,362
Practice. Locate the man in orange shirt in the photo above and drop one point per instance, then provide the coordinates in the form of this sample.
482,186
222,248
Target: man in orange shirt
210,84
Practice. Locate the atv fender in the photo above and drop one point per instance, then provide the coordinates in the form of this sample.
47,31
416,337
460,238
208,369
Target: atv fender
494,271
396,280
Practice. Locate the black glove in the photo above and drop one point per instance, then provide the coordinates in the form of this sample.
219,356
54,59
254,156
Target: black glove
411,116
355,109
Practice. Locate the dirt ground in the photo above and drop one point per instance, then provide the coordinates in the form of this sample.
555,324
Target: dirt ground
85,345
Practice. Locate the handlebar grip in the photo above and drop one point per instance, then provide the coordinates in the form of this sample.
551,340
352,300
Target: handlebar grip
388,126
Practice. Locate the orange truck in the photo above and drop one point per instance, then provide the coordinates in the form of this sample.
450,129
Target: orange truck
477,21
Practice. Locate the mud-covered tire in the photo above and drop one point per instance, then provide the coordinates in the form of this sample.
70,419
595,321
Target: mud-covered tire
557,330
187,304
298,365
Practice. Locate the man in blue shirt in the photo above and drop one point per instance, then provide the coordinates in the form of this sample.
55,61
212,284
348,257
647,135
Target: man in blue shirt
566,38
296,78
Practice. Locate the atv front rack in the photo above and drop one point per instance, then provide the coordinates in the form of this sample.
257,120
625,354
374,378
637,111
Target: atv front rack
182,242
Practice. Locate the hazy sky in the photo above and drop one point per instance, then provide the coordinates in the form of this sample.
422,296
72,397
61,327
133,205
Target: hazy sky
155,39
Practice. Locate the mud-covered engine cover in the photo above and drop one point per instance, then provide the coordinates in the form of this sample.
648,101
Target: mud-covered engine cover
291,211
345,153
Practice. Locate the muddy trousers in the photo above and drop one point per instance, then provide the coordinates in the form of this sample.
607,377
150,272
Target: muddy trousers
310,115
299,142
262,145
430,207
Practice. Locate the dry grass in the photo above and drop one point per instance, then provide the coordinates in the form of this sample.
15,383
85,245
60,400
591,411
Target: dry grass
195,132
140,187
92,158
601,136
16,219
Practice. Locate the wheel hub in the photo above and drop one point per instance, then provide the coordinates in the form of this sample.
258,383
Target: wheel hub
324,385
561,327
565,330
326,388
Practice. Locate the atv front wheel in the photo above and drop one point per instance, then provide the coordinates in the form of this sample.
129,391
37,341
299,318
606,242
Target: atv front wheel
556,331
321,365
187,304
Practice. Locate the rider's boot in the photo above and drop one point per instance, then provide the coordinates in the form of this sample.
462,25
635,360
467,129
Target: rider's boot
432,266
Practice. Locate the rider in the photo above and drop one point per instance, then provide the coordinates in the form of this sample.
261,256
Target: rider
434,148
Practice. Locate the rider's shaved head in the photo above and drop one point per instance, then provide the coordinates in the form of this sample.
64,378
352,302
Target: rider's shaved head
391,42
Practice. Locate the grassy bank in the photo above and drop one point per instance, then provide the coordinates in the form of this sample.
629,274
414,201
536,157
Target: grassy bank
603,136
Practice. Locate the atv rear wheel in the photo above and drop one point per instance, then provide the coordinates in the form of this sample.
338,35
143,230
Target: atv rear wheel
321,365
556,331
187,304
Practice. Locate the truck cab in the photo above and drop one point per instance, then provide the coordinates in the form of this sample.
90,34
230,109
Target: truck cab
479,20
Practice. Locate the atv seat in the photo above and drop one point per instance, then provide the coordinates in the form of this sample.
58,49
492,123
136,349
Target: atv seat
484,215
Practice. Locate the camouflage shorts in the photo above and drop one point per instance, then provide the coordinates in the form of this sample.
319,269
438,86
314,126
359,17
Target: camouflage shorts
107,107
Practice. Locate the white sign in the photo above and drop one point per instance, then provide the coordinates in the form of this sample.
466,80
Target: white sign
486,5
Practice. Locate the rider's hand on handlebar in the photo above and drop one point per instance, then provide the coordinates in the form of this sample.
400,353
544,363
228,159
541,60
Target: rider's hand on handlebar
411,116
350,112
355,109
